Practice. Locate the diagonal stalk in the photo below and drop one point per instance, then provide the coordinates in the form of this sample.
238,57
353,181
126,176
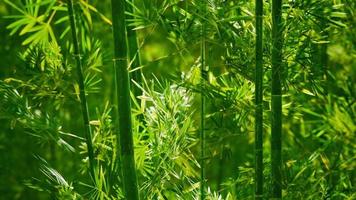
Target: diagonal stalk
276,109
125,137
258,102
83,100
204,79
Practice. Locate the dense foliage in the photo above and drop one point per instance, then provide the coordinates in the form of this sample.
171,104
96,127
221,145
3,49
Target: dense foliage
177,99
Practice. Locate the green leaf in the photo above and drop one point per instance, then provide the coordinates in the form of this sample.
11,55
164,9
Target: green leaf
339,14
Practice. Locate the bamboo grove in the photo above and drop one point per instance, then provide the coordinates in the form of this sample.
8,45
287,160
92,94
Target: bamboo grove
171,99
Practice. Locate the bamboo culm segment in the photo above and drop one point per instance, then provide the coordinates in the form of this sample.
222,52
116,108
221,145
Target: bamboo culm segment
83,100
276,104
125,137
258,102
204,79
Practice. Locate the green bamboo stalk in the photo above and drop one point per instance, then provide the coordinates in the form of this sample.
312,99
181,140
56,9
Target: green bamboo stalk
135,58
324,58
258,102
204,79
134,53
276,129
83,100
121,64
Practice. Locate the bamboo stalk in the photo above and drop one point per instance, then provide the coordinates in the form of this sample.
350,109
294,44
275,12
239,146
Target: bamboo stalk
258,102
276,129
135,59
204,79
324,58
134,53
83,100
125,137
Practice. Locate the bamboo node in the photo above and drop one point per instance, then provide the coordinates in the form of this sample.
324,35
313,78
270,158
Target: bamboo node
77,55
119,59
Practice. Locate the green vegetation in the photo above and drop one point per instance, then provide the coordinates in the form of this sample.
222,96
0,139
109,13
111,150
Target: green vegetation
172,99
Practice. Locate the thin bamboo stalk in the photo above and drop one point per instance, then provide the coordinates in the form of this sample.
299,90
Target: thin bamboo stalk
276,129
121,64
134,53
204,79
324,58
258,102
83,100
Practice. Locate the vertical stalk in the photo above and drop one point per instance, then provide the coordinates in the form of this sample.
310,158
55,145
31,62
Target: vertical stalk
204,79
125,137
53,157
135,59
258,102
83,100
133,50
324,56
276,138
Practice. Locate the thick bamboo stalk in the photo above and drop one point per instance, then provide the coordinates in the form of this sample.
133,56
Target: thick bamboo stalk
258,102
276,109
204,79
83,100
125,137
